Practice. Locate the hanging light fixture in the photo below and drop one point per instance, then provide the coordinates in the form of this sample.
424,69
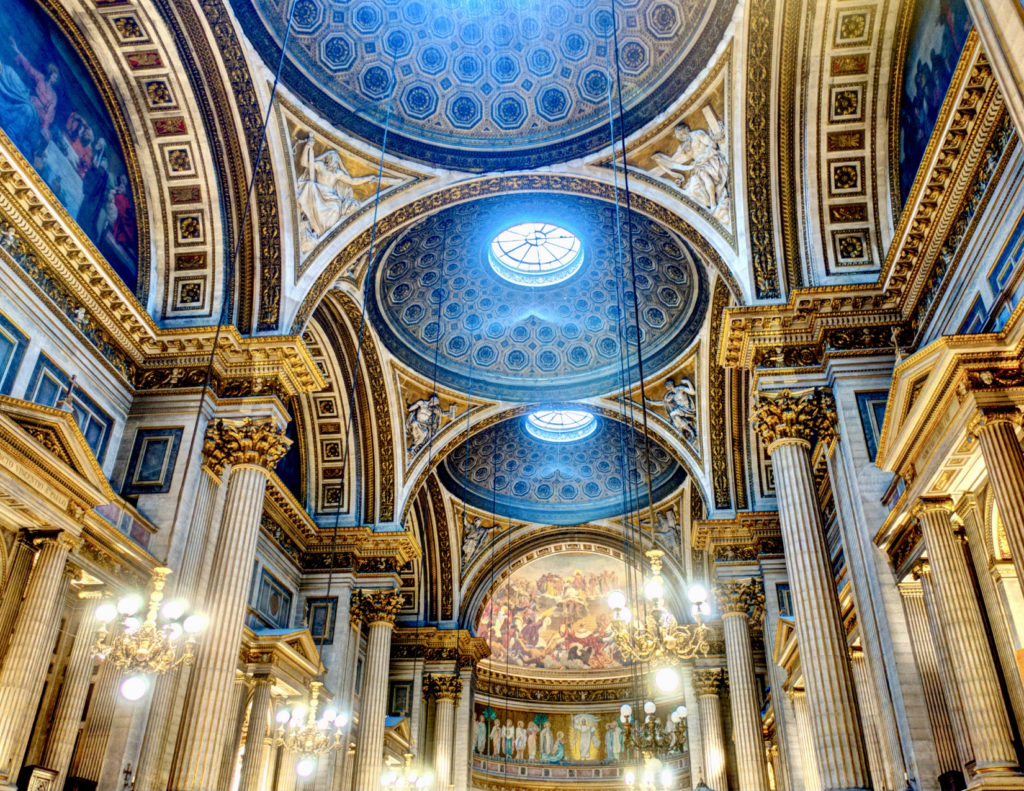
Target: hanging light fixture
301,732
152,645
649,738
653,775
406,777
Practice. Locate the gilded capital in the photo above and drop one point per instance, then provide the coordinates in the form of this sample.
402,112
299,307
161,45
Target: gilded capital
378,606
708,681
442,687
246,441
804,416
738,597
989,416
927,505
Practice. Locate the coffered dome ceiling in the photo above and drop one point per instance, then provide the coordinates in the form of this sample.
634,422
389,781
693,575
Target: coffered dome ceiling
506,470
500,339
486,84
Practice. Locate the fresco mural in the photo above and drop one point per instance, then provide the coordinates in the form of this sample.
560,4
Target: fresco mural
552,613
937,34
53,113
557,738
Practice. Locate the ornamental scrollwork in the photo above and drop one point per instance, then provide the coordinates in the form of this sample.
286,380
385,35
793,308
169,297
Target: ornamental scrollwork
807,415
247,441
372,607
442,686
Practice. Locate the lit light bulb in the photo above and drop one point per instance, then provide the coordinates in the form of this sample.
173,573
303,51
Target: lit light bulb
648,779
174,609
305,766
388,779
630,778
174,631
654,589
132,625
654,765
195,623
130,604
423,782
330,714
134,687
616,600
283,716
298,712
666,679
666,778
698,594
341,721
625,615
106,612
649,707
625,712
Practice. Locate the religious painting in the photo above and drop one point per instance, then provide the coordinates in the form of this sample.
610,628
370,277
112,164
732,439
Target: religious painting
52,111
553,613
938,32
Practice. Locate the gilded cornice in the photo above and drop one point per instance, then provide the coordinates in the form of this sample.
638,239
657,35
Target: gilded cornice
553,687
439,645
747,536
959,163
290,658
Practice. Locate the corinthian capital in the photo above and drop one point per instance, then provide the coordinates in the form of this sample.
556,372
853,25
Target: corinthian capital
246,441
738,596
989,416
372,607
708,681
803,416
442,687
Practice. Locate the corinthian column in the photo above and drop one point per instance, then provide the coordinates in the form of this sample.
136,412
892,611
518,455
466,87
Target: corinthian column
14,586
788,424
707,684
68,713
169,689
735,598
981,697
805,734
445,691
996,431
252,447
869,717
28,655
258,717
376,609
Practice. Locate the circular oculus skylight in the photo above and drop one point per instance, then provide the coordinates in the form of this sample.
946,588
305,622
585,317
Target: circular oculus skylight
536,254
560,425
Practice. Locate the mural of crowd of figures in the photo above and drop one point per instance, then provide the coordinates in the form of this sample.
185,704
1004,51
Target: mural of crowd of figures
552,613
584,737
51,110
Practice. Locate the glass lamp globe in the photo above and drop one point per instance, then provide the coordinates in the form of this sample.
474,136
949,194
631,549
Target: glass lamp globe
305,766
173,610
649,707
697,594
130,604
283,716
625,712
106,612
134,687
616,600
666,679
654,589
666,778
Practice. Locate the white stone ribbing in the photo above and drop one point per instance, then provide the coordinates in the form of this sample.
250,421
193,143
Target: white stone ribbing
1004,461
444,724
870,720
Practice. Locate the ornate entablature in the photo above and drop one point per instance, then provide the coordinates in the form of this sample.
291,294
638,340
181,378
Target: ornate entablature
430,644
969,148
744,539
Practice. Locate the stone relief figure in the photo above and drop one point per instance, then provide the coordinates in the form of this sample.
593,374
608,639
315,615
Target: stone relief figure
698,166
422,419
680,403
326,191
585,729
667,529
473,536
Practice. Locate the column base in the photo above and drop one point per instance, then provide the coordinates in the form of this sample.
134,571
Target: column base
999,780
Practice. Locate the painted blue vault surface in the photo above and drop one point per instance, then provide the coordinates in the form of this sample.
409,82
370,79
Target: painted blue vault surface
486,84
500,340
52,111
506,469
937,35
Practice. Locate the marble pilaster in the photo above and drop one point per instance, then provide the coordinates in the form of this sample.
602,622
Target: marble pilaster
981,697
707,683
259,719
862,683
931,679
445,690
68,714
805,733
735,599
88,760
251,448
13,586
28,654
462,755
377,610
788,423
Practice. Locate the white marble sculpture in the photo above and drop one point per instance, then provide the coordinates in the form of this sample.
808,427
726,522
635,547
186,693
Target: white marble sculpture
680,403
422,419
698,166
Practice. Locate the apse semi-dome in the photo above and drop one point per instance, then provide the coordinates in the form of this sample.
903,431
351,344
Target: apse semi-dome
486,84
514,341
508,470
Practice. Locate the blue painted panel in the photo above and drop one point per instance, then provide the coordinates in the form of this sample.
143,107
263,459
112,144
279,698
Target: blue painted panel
872,416
151,464
46,386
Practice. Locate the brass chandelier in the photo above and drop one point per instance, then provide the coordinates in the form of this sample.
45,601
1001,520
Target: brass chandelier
407,778
151,646
300,731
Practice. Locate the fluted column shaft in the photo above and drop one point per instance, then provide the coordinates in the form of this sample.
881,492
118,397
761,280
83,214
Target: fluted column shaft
13,587
209,714
1004,461
463,749
259,712
373,707
968,651
870,718
88,762
68,714
746,710
151,774
808,749
707,684
819,629
28,655
931,680
444,723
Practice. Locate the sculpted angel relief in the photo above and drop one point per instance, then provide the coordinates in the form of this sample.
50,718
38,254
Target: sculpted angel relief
553,614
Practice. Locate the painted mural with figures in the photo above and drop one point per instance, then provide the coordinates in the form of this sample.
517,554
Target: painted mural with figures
552,613
52,111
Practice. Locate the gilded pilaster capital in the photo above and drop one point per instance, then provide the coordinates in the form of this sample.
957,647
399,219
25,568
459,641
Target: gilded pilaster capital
738,597
708,681
804,416
378,606
61,539
442,686
921,570
257,442
931,505
989,416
